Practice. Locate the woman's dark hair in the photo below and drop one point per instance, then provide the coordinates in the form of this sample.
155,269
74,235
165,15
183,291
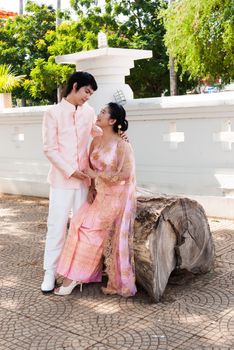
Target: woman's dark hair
118,113
82,79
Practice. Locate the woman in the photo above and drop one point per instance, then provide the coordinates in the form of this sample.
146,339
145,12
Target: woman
103,227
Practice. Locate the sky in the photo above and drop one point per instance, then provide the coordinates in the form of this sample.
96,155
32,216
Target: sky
13,5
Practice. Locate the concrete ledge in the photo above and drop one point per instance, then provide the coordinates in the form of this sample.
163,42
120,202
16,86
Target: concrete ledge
220,207
20,186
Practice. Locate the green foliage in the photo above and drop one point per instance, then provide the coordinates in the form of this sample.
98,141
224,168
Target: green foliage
144,31
31,41
200,36
23,43
45,78
22,40
8,80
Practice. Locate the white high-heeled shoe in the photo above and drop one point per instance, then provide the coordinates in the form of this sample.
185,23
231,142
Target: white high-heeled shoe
67,290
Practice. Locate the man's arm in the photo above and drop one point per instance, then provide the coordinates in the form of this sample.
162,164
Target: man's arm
96,130
50,145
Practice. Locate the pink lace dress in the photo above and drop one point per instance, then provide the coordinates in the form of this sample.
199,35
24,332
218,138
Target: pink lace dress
104,229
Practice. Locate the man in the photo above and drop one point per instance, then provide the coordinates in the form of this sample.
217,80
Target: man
67,127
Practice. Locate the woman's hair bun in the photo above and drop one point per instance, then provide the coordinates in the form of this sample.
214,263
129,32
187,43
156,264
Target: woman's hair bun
118,113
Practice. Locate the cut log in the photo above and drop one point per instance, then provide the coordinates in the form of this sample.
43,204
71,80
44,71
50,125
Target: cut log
170,233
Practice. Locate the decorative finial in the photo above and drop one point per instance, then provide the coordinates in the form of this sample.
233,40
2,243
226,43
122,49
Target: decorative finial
102,40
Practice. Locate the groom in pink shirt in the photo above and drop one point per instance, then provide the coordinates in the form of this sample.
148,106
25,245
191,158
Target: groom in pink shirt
67,128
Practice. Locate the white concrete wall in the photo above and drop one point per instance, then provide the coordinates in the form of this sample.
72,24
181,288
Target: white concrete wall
23,167
200,165
183,145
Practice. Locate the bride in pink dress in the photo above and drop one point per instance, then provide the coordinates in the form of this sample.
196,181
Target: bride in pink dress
102,230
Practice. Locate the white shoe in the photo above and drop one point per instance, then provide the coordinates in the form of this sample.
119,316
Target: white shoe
67,290
48,282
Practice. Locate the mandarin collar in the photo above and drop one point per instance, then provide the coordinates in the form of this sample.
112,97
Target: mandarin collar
69,106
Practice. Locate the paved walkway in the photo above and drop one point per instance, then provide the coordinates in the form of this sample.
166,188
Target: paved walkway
198,314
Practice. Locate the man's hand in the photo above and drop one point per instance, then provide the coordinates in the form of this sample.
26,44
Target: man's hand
91,194
79,175
124,136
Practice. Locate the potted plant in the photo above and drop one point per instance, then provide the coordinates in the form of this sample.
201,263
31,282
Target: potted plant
8,82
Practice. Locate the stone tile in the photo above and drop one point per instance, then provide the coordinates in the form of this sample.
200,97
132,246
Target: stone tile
145,335
29,269
211,299
200,343
20,332
217,335
99,346
91,312
227,256
225,281
97,326
223,239
27,273
203,315
183,318
30,302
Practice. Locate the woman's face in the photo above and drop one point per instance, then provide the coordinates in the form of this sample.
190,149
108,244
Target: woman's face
103,119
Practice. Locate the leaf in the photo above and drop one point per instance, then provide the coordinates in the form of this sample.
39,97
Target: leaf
8,80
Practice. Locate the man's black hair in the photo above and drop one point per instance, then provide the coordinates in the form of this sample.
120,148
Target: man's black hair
82,79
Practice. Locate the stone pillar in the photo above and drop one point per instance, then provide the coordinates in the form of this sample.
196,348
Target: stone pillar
109,66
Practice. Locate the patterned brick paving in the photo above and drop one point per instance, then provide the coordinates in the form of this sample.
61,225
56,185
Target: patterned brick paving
196,312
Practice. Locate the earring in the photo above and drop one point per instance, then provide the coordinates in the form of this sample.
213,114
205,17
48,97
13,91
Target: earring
119,129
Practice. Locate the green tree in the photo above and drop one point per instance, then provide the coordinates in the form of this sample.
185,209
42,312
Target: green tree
200,35
23,42
144,31
45,77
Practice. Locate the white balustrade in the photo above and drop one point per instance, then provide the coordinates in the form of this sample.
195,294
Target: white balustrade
226,136
174,137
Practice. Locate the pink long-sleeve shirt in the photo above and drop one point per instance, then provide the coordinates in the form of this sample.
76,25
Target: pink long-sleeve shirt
66,131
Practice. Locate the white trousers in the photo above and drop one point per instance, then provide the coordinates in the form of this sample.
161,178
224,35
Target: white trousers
62,202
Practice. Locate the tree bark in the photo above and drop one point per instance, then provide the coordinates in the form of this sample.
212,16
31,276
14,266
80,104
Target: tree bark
21,7
173,75
169,233
58,8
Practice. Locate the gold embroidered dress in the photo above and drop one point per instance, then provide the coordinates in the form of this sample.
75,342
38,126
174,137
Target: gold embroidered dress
105,227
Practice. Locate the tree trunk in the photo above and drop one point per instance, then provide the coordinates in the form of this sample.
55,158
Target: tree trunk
58,20
170,233
59,93
173,77
23,102
21,7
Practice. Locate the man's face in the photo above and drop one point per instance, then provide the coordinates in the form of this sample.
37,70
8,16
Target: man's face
83,95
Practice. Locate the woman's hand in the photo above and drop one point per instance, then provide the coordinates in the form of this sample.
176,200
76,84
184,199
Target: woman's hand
91,194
